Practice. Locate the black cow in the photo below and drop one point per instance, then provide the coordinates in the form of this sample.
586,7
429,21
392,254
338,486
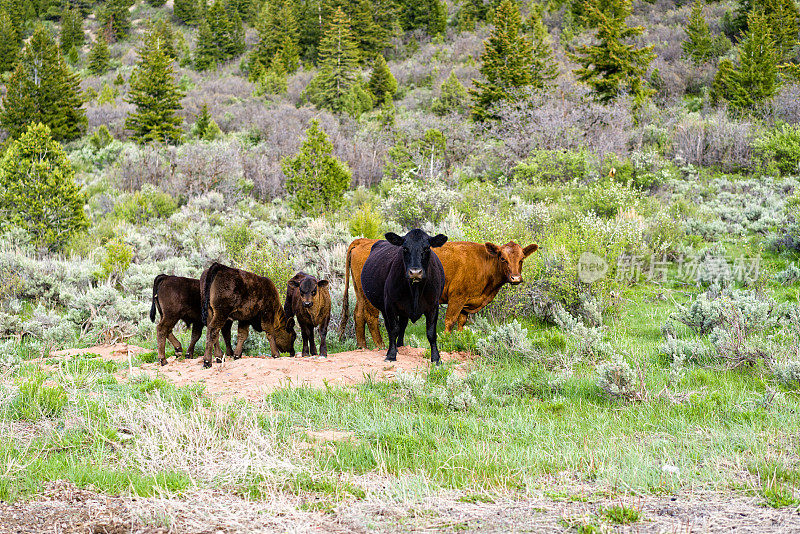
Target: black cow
404,279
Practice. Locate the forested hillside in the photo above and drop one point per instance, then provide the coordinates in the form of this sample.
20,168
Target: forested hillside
651,149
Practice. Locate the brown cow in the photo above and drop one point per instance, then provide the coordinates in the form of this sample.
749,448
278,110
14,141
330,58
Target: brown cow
227,293
178,299
474,273
309,299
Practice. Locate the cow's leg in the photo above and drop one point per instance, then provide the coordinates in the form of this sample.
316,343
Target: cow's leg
226,337
323,332
242,332
197,331
164,331
430,329
175,344
215,323
306,336
372,321
401,336
273,345
312,344
393,329
453,313
360,318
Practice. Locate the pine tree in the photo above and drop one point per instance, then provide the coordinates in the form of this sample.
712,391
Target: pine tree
205,55
43,89
202,122
185,11
155,93
278,36
38,192
156,3
544,68
429,15
162,31
507,61
382,84
365,30
783,19
338,64
613,66
755,79
453,98
316,179
9,42
699,45
236,41
99,56
71,29
115,16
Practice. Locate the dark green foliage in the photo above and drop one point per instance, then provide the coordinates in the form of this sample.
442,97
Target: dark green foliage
428,15
279,36
156,96
316,179
99,56
782,17
220,37
338,62
38,191
115,18
156,3
614,65
507,61
454,97
162,31
544,67
120,79
101,138
382,83
698,45
202,122
43,89
185,11
71,30
781,146
9,42
755,78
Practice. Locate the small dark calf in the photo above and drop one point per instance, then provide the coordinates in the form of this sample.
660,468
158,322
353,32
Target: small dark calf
309,299
404,279
178,299
233,294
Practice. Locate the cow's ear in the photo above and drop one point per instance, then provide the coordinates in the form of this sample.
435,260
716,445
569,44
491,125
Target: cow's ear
530,249
493,249
322,284
394,239
437,240
294,283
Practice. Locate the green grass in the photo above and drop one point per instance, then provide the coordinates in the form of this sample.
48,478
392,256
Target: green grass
621,515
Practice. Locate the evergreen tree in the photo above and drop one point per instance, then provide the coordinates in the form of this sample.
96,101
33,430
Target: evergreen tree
162,31
43,89
155,93
99,56
338,63
9,42
236,42
156,3
367,33
699,44
544,68
278,37
783,19
185,11
316,179
454,97
114,15
429,15
382,84
202,122
220,36
755,79
507,61
71,29
205,54
38,192
613,65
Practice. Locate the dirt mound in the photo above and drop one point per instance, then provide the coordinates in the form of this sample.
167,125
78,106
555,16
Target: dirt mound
252,378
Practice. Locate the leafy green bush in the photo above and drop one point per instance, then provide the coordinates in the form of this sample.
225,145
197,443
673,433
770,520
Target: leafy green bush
38,192
147,203
413,202
236,237
264,259
316,179
607,198
555,166
780,146
366,222
117,259
101,138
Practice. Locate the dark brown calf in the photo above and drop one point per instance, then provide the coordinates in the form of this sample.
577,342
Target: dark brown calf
309,299
233,294
178,299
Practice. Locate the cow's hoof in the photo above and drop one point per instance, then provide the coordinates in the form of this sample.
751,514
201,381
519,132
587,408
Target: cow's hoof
206,365
163,362
305,355
390,359
235,357
218,360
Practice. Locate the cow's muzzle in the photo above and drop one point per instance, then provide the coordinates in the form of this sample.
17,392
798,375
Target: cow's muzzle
415,275
308,304
515,280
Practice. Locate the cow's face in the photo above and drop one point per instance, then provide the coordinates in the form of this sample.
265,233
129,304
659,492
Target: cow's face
308,288
284,334
510,256
416,252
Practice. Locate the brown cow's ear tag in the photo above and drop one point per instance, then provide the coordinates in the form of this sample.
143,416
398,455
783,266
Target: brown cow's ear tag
530,249
493,249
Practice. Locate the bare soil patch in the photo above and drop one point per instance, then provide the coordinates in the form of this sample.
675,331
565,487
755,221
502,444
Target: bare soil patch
253,377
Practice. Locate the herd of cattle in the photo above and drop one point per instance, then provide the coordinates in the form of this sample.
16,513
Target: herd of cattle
401,278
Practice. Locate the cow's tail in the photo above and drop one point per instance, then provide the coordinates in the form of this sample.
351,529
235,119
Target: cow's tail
345,300
155,305
211,273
